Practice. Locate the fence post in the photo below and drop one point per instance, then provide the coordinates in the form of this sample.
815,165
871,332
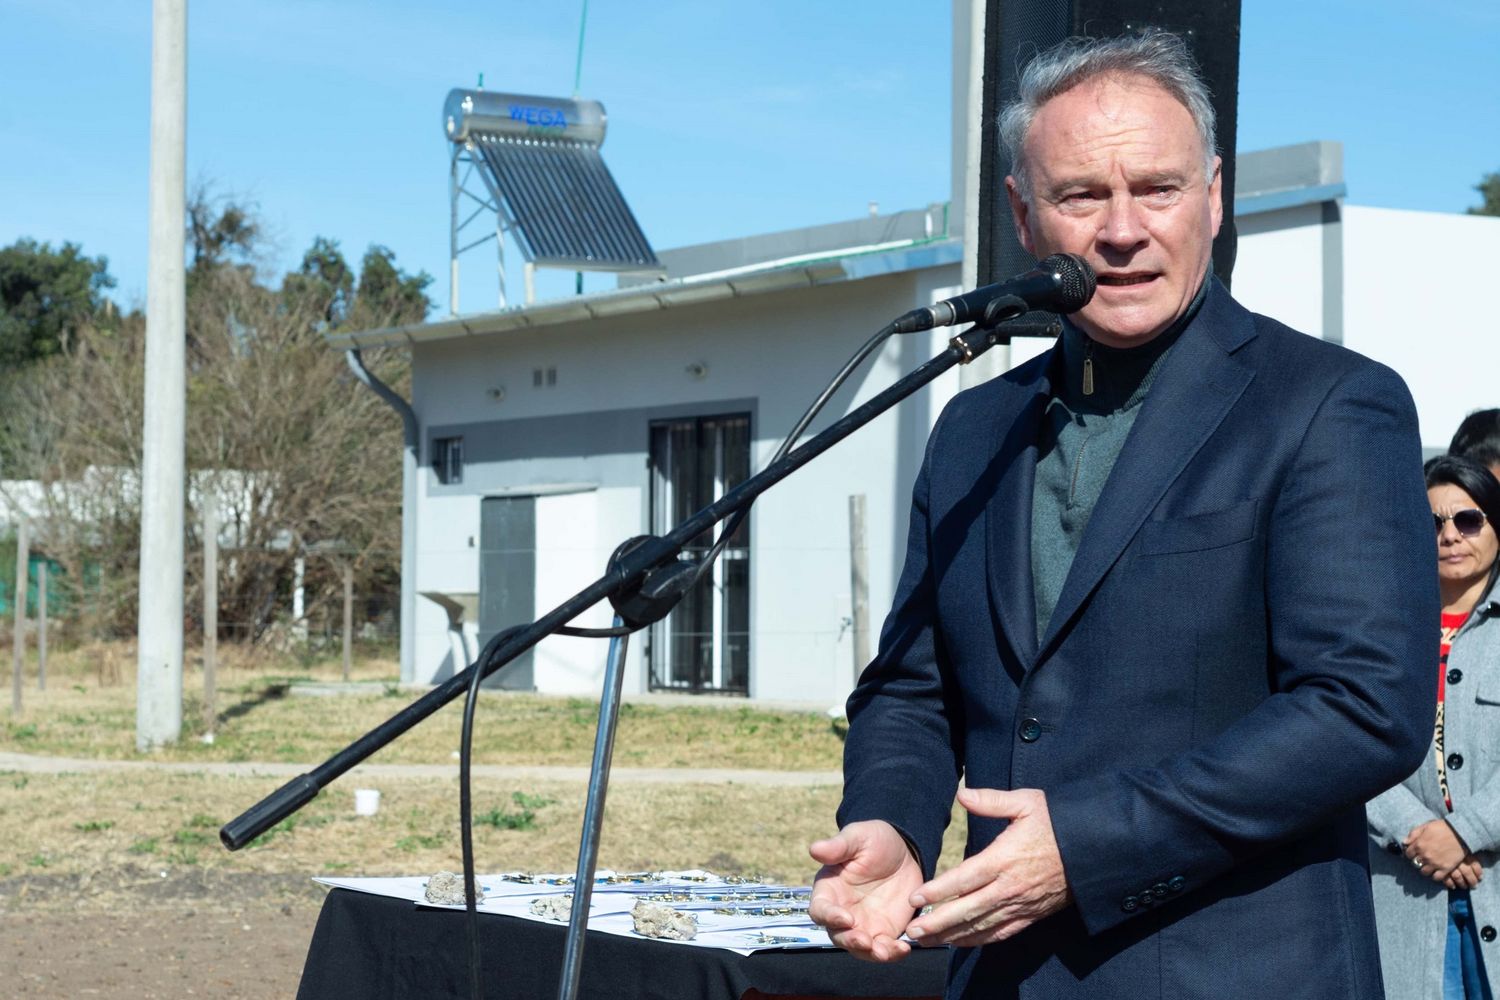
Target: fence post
18,651
210,605
348,618
859,584
41,626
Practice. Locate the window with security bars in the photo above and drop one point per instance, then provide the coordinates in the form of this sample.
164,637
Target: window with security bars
704,644
448,459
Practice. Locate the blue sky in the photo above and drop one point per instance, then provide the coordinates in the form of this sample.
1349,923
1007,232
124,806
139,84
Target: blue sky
724,118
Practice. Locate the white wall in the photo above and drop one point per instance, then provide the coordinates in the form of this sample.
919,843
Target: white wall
447,562
776,349
575,534
1278,268
1414,299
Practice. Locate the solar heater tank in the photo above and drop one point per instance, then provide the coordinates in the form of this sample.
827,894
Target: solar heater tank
466,112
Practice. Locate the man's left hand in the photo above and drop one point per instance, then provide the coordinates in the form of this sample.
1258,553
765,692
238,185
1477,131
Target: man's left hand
1003,889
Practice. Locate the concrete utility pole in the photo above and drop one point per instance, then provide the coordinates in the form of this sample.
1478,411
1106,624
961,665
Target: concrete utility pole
158,714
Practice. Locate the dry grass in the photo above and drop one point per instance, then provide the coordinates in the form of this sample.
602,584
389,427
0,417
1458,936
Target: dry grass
69,839
100,833
88,710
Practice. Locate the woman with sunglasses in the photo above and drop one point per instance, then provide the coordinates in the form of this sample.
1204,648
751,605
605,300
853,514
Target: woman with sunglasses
1434,837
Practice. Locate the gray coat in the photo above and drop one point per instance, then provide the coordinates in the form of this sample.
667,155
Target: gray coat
1411,912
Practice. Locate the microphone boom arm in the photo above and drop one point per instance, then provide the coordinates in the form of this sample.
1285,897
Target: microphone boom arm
627,572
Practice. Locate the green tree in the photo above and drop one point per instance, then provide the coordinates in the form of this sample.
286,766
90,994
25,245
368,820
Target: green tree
45,295
220,231
387,295
1489,190
323,285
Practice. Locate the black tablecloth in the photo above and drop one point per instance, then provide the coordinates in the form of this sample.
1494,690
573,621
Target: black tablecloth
370,947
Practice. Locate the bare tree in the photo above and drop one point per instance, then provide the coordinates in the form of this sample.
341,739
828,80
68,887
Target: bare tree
304,461
73,422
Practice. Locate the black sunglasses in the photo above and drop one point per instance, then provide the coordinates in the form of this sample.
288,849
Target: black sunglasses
1469,521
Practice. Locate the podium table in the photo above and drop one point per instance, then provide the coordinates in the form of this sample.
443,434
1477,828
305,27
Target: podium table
369,947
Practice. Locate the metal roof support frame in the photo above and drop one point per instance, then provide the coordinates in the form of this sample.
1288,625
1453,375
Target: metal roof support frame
464,165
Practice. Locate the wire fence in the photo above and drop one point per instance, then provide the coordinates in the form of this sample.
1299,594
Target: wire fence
282,604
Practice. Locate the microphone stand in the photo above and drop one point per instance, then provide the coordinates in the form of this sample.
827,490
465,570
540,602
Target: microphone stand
593,816
644,580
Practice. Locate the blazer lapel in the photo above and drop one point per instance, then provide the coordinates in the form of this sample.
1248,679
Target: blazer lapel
1008,516
1198,383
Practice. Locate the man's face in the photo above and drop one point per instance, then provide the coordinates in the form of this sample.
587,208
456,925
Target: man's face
1116,170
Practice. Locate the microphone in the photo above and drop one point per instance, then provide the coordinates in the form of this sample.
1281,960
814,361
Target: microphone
1063,283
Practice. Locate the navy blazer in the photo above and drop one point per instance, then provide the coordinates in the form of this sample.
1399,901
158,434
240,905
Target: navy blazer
1241,655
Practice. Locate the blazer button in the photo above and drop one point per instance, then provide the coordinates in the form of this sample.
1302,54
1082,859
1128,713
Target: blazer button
1455,761
1455,675
1176,883
1487,933
1031,731
1159,890
1130,904
1394,848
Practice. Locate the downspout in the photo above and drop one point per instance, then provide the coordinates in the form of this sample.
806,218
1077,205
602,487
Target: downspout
411,435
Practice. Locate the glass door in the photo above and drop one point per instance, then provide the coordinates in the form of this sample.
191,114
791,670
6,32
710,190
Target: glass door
704,644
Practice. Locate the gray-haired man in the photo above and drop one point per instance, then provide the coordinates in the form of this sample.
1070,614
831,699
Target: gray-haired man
1166,609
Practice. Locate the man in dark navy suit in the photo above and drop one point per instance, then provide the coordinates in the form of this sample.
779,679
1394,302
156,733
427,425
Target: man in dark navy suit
1167,609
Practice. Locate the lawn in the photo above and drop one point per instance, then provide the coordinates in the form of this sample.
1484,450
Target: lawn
94,830
89,712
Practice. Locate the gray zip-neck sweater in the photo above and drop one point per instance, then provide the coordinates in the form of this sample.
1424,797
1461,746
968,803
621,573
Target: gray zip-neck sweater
1080,438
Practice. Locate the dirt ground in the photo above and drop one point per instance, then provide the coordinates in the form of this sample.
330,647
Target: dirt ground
113,884
229,935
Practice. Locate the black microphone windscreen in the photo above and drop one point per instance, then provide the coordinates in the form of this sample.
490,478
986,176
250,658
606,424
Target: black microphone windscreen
1076,281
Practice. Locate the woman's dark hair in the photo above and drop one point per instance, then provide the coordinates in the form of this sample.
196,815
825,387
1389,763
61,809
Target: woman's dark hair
1478,438
1475,480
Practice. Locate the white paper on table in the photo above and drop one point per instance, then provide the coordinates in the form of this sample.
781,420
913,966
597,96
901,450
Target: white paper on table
611,903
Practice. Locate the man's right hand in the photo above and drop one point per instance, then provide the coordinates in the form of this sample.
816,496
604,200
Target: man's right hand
861,894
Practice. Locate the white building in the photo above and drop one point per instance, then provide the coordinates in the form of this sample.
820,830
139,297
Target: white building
551,433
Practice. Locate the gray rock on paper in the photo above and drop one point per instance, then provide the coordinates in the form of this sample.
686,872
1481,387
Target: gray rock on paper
558,908
658,921
447,889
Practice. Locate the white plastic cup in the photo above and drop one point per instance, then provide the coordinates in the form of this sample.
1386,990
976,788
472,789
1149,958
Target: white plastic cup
366,801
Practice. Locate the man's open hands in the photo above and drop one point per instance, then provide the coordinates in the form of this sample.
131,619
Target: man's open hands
1003,889
870,884
862,893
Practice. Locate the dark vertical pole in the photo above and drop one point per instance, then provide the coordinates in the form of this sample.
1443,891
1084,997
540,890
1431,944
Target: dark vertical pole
1017,29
